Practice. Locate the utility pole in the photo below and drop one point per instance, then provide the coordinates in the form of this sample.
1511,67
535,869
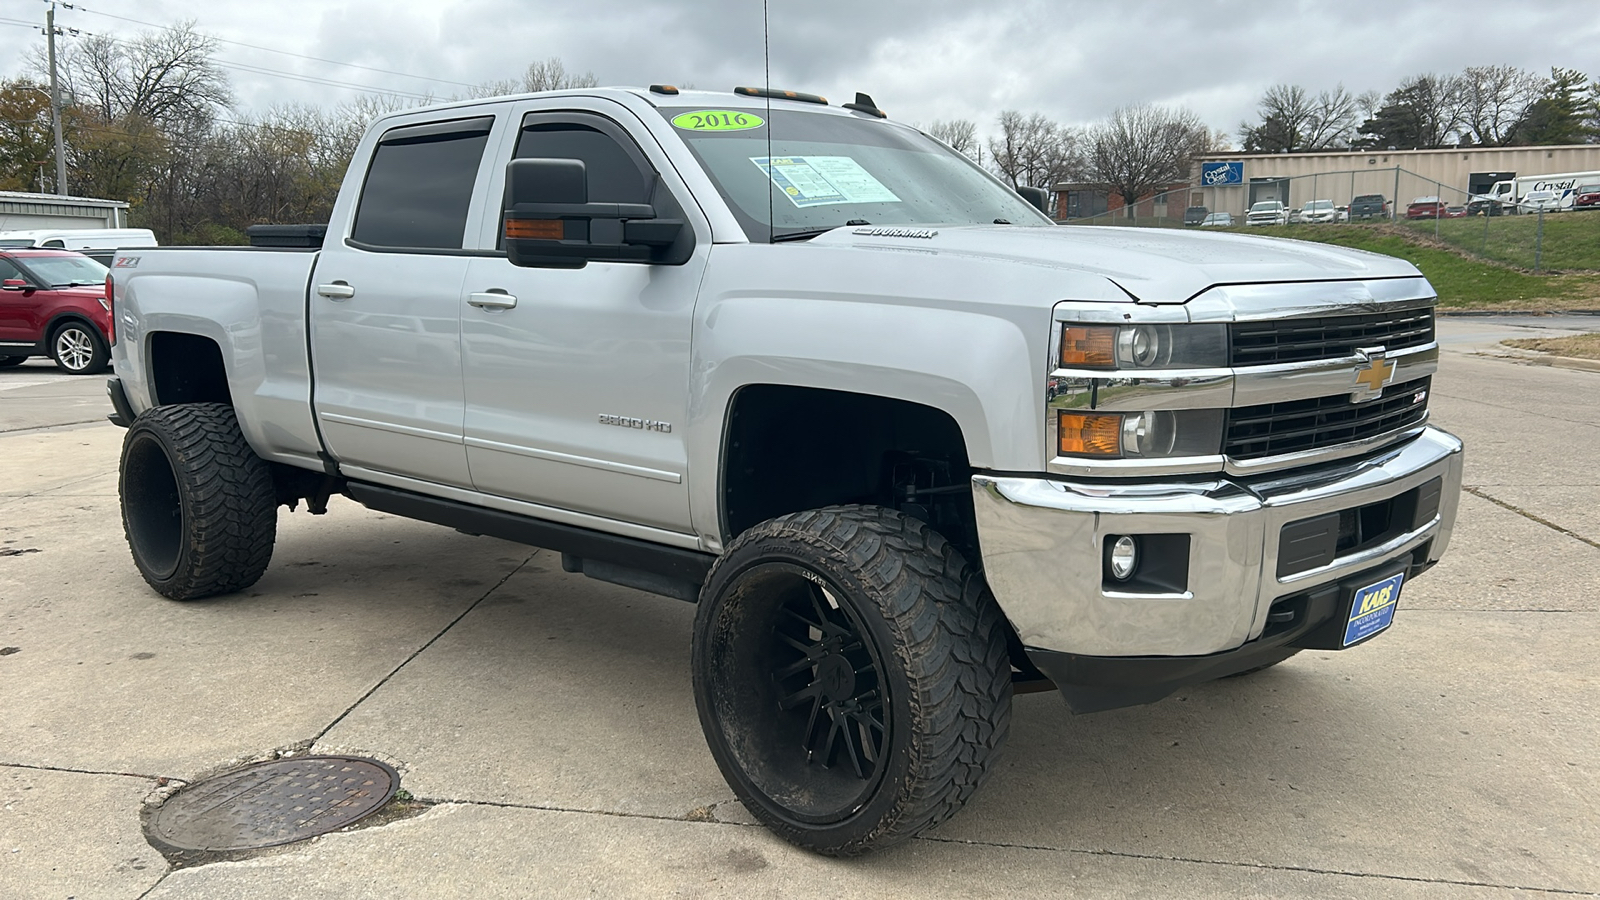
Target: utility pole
55,101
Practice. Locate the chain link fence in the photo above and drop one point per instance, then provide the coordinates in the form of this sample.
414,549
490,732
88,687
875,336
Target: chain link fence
1393,198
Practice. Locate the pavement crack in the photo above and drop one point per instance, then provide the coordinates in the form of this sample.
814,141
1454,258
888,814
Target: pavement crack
102,419
1480,493
418,652
540,807
159,779
1274,867
1516,409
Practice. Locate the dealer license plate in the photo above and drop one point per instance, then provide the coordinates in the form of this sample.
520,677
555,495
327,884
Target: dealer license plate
1372,610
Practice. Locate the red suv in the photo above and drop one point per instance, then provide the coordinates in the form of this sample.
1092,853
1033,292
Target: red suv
53,303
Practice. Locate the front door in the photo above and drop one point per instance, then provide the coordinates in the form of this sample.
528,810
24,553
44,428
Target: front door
577,380
386,307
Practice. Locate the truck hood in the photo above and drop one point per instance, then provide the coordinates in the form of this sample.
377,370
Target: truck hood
1154,265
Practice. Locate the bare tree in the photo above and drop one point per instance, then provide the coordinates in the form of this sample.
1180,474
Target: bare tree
163,77
1143,149
1033,151
1424,112
1293,121
1493,99
960,134
541,75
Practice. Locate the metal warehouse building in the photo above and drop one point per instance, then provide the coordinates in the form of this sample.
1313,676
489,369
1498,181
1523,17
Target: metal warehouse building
1230,182
30,212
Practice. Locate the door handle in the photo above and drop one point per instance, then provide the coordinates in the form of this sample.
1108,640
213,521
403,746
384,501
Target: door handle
494,298
339,290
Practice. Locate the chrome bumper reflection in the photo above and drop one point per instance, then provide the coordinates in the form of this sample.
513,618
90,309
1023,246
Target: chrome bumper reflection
1042,538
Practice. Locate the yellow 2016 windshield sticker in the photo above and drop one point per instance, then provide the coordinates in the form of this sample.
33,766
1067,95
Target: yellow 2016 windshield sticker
717,120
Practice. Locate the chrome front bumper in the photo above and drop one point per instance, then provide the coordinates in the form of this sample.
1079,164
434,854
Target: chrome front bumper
1042,542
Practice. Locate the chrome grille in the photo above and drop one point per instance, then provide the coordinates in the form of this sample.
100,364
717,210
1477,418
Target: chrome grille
1293,426
1327,337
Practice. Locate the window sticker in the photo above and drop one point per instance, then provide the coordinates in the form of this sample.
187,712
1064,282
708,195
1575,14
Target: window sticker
820,180
717,120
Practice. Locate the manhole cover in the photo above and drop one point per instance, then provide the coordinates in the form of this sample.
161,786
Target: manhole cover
274,803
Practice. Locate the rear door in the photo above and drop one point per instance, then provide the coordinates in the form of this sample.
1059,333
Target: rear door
386,306
577,380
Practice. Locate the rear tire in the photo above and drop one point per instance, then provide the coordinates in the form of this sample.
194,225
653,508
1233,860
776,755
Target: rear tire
852,678
79,349
198,505
7,362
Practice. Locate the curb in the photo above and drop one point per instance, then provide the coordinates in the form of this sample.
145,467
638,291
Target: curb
1536,358
1487,313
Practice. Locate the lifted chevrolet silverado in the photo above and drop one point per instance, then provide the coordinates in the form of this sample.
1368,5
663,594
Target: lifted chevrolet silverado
908,445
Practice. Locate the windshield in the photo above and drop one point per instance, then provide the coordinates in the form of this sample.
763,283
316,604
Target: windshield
1266,205
1320,204
829,170
66,271
16,242
1589,189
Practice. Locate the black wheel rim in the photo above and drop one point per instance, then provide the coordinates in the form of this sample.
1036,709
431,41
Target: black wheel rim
152,505
804,705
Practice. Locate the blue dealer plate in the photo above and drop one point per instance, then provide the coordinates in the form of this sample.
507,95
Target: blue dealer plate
1372,610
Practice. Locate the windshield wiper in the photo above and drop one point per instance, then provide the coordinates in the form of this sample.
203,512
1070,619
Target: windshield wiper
806,234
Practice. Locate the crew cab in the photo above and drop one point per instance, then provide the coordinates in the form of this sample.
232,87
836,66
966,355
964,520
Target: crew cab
908,445
53,303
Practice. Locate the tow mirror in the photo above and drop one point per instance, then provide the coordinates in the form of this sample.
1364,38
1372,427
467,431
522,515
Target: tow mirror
550,223
1039,197
15,284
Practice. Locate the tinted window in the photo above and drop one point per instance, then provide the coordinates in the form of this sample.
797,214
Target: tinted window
419,186
66,271
614,177
8,270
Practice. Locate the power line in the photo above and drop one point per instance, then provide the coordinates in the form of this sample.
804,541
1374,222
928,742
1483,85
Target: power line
287,53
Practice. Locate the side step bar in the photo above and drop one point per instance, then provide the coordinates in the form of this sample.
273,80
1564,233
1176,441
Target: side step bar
668,571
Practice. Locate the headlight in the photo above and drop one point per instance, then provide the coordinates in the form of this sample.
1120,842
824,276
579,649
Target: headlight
1143,346
1152,434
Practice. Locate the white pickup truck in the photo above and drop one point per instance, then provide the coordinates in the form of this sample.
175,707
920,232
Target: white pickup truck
908,445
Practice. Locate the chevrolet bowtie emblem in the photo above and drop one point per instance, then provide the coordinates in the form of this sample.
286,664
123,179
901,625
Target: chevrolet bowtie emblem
1373,372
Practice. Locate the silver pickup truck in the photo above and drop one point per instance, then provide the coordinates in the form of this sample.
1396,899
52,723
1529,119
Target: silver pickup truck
910,446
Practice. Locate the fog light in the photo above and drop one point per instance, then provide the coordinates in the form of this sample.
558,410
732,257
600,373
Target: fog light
1124,558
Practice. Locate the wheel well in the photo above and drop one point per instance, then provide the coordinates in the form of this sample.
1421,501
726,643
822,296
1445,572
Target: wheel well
187,368
788,449
63,319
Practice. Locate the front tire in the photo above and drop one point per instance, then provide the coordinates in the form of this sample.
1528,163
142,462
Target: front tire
79,349
198,505
851,675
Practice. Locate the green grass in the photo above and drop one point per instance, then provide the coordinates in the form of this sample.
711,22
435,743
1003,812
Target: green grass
1571,239
1461,282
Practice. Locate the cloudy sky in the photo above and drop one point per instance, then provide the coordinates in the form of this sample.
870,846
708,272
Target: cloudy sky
924,60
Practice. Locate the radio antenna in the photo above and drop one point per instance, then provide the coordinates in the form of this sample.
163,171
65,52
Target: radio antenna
766,64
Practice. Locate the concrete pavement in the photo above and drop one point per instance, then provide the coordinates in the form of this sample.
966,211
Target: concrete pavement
547,719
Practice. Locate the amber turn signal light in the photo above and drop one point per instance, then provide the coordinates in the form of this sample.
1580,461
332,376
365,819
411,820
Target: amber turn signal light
536,229
1089,434
1088,347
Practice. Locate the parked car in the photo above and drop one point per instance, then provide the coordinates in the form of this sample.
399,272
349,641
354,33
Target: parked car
1455,212
1586,196
53,303
1267,212
79,239
1218,220
1540,201
1341,214
1484,205
1429,207
1369,206
1195,215
1319,212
